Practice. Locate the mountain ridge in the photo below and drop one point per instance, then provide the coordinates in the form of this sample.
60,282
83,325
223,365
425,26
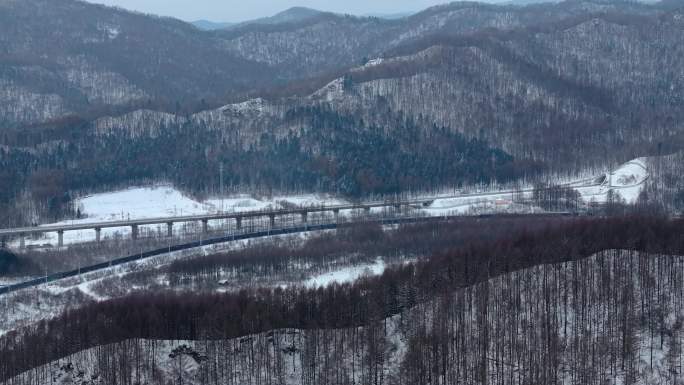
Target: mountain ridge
208,25
94,56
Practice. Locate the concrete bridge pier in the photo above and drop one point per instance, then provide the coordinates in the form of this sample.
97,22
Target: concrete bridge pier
205,226
336,213
272,220
367,210
134,232
397,208
60,239
305,217
98,234
169,229
22,241
238,223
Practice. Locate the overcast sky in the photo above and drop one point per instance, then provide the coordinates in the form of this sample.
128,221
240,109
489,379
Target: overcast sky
241,10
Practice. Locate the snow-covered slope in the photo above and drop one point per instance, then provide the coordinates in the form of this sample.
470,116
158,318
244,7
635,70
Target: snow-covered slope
347,274
616,307
629,178
626,181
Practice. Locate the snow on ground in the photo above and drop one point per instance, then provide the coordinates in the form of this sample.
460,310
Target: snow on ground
257,105
132,203
165,201
627,180
32,305
136,203
467,204
347,274
241,203
373,63
630,174
6,281
655,360
159,202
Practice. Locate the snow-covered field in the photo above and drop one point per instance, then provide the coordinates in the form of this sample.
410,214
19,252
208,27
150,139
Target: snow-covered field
165,201
160,202
347,274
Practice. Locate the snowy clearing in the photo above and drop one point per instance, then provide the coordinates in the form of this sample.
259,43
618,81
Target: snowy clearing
627,180
159,202
347,274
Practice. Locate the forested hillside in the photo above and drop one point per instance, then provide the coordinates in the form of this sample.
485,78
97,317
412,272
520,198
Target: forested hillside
586,301
459,94
67,57
329,41
324,152
611,86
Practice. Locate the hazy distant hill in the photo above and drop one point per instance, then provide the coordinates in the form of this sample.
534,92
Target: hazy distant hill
291,15
207,25
390,16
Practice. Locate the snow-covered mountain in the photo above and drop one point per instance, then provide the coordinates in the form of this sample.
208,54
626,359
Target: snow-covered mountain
459,93
527,94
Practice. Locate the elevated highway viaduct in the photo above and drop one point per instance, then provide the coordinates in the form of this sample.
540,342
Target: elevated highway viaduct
204,219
